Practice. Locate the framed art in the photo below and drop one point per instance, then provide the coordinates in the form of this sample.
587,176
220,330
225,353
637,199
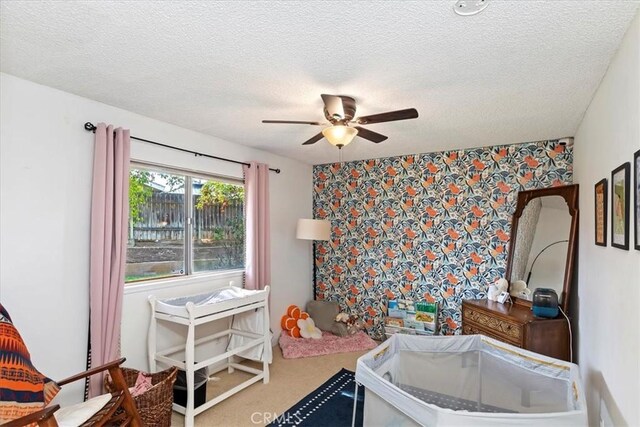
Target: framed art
600,200
636,193
620,207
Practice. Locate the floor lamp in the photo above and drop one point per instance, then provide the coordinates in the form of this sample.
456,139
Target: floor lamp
313,229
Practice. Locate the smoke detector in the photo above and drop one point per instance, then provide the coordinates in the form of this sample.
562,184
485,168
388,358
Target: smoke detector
470,7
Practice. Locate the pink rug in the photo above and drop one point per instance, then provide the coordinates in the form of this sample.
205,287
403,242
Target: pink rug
293,348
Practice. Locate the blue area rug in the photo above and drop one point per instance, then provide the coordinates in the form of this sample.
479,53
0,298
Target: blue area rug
329,405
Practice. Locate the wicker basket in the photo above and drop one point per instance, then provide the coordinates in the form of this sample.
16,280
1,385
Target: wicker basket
155,404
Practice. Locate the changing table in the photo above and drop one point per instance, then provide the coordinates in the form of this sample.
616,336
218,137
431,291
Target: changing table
195,310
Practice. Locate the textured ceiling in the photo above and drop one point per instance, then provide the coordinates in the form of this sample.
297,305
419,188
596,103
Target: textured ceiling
519,71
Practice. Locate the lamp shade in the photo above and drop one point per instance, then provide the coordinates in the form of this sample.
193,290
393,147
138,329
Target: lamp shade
313,229
339,135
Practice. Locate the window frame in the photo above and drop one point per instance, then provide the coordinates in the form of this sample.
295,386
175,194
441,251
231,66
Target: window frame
189,275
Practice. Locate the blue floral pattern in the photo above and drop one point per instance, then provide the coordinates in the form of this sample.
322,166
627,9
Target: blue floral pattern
429,226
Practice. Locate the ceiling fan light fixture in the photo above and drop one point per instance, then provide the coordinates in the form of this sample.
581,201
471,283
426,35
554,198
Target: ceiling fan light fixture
339,135
340,110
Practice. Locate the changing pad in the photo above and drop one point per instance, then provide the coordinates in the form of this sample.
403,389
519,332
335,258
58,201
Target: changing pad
211,302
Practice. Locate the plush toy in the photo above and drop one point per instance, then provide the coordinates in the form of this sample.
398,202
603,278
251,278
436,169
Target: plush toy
342,317
354,324
492,293
297,323
324,315
308,329
519,289
289,322
501,285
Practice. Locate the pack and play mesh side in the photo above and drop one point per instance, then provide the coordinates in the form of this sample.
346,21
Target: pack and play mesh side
477,381
466,379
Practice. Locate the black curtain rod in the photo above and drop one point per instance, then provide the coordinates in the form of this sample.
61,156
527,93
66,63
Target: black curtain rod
91,127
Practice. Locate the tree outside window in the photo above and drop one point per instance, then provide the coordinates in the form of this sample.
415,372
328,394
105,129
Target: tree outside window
183,224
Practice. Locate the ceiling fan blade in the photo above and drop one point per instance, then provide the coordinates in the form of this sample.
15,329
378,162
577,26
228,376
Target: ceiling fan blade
370,135
293,122
391,116
338,107
313,139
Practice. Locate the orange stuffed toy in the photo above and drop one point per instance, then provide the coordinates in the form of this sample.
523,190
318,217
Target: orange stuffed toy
289,321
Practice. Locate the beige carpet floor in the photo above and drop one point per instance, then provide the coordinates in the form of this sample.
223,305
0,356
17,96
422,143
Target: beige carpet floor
259,404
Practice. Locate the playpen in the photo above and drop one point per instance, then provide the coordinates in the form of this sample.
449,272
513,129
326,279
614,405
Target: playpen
467,380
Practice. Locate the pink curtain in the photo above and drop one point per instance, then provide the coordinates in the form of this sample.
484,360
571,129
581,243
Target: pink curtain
256,184
109,216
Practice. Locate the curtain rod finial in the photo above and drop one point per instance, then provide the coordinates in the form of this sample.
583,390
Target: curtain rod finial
92,128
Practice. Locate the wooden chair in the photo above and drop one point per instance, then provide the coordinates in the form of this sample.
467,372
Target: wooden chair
106,416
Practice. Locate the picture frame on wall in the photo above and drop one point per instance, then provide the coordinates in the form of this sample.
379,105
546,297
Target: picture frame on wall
636,192
620,206
600,201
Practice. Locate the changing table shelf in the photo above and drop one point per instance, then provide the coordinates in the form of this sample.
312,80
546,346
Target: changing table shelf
195,310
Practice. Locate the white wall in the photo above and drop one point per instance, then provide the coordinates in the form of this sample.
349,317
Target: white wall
609,278
46,164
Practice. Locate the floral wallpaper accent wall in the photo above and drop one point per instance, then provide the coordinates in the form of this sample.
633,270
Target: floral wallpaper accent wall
429,226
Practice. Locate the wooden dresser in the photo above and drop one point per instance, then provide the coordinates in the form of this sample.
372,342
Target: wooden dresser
515,324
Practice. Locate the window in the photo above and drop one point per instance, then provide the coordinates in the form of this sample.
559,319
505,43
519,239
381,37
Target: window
182,224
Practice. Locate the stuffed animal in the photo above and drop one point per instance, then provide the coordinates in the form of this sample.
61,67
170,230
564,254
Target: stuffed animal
297,323
519,289
354,324
324,315
289,322
308,329
501,285
492,293
342,317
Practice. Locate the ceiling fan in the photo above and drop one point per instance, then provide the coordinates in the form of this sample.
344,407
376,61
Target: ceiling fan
340,110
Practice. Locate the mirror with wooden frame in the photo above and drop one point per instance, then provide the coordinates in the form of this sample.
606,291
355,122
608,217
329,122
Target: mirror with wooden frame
543,244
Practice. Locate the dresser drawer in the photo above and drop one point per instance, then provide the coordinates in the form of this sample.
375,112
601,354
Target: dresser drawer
515,324
472,329
492,326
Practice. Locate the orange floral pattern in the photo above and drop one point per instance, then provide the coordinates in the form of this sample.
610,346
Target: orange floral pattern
430,226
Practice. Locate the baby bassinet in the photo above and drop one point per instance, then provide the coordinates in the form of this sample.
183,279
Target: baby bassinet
467,380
